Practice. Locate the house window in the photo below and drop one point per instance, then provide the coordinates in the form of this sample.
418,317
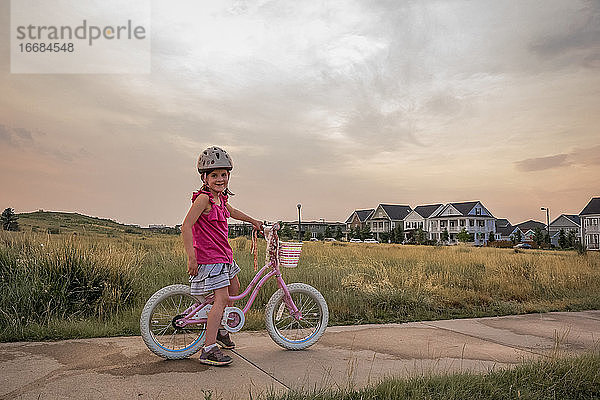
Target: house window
478,211
442,224
452,224
462,222
471,222
481,223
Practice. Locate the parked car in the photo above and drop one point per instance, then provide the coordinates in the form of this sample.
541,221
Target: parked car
370,241
330,240
312,239
523,246
355,241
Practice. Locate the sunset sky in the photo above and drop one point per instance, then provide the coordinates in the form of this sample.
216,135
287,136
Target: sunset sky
337,105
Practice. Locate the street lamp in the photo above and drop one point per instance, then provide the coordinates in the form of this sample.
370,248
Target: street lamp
299,225
547,220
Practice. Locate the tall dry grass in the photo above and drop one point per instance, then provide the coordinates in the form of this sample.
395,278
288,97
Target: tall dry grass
54,286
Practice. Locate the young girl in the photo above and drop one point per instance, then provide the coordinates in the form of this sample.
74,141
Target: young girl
210,259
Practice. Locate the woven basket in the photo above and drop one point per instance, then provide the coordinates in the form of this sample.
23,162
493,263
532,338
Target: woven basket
289,254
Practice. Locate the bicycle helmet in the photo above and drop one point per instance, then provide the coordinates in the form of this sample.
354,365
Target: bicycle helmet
214,158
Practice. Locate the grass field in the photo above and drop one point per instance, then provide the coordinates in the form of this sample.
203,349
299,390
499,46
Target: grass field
565,379
64,286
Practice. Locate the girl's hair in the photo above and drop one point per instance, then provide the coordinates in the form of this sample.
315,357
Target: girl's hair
227,192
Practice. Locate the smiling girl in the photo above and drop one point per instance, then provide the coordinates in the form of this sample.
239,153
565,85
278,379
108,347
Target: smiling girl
210,259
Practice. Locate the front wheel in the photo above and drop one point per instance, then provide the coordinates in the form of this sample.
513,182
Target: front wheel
157,323
287,331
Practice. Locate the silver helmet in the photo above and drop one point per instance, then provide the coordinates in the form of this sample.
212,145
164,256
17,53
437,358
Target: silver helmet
214,158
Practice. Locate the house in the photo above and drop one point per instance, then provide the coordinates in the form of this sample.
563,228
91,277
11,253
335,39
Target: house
590,224
504,229
470,215
358,218
316,227
527,229
419,218
566,222
386,217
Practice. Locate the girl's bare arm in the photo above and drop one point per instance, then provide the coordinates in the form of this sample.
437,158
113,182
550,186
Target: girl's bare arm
192,216
237,214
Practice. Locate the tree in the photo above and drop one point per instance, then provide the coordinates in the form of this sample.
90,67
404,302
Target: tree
307,235
445,235
338,233
463,236
286,232
327,232
365,232
491,237
562,239
516,238
419,236
571,239
320,236
9,220
538,236
398,234
384,237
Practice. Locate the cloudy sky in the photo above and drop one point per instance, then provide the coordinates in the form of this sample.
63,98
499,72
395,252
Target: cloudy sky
336,105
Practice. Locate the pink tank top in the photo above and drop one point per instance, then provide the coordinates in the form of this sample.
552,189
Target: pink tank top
210,233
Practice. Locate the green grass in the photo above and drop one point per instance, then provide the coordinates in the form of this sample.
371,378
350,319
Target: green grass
561,378
87,285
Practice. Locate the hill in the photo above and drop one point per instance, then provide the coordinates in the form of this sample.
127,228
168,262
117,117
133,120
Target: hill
65,222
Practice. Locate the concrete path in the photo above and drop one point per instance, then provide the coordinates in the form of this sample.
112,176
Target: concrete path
114,368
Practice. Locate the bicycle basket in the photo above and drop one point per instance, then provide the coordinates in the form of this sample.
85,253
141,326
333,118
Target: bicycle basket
289,254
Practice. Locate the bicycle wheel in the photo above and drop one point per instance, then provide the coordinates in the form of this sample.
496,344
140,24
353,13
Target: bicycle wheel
157,324
290,333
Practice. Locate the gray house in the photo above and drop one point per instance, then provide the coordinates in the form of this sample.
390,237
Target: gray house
590,224
566,222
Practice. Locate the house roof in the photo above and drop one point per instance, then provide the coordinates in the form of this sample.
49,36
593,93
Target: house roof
396,211
502,222
361,214
427,210
504,227
571,217
530,225
465,206
593,207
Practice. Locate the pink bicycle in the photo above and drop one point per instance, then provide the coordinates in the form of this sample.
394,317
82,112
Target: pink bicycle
173,322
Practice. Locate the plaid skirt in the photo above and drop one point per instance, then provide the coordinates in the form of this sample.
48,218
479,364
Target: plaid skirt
212,276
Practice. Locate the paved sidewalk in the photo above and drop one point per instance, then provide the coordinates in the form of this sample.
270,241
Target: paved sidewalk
114,368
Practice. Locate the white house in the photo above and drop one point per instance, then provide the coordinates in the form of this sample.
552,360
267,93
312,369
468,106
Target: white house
387,217
470,215
590,224
419,218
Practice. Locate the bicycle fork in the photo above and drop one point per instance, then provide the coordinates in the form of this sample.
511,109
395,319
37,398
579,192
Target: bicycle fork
287,299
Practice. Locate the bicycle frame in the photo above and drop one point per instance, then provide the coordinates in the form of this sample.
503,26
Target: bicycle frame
257,282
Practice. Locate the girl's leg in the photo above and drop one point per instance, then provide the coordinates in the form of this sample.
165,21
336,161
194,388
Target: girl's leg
234,289
215,315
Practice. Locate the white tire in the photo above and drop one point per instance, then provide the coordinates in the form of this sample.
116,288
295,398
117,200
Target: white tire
290,333
157,327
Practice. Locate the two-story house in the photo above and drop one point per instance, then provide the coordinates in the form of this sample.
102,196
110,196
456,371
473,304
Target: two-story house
590,224
386,217
358,218
566,222
471,216
419,218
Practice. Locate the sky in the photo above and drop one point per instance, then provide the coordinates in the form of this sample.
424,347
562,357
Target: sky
336,105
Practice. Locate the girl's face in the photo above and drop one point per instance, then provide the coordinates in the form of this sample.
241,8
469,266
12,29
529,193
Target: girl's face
217,180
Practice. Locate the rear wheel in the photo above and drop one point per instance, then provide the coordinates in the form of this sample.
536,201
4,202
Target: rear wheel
294,334
158,324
